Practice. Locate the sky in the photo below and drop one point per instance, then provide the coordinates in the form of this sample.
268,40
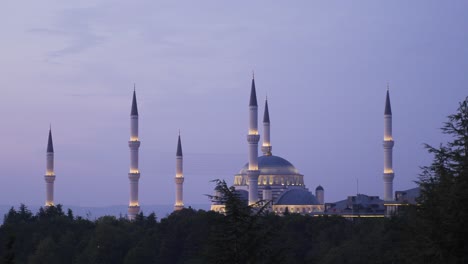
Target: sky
324,65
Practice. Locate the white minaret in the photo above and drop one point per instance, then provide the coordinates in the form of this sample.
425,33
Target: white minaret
134,174
388,149
252,139
266,146
50,174
179,178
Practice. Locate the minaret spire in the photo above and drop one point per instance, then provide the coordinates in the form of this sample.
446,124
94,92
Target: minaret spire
388,107
134,174
50,144
388,144
134,111
252,139
253,94
50,174
179,178
266,146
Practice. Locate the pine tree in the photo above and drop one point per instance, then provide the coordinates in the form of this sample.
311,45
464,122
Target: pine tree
444,195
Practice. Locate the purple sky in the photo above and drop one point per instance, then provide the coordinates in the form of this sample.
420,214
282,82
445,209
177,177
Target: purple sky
324,66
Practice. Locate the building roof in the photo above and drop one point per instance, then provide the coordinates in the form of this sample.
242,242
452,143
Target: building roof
179,148
50,145
272,165
408,196
297,197
388,108
134,105
266,114
253,94
319,188
360,203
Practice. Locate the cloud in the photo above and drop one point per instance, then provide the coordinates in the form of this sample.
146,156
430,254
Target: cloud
76,28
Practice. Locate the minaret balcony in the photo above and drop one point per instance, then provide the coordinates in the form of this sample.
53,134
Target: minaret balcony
134,176
179,180
266,150
388,177
49,178
134,144
253,139
388,144
253,174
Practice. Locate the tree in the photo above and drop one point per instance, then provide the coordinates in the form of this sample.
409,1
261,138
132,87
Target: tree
46,252
239,238
443,234
9,255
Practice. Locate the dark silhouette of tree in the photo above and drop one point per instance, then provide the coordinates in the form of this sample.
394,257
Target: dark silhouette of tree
239,239
444,197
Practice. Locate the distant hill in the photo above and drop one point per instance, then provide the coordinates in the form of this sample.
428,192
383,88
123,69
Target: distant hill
161,210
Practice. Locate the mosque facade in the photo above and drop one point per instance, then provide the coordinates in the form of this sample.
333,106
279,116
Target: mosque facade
274,180
277,182
268,179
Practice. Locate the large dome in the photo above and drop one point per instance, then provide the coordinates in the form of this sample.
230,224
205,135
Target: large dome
272,165
274,171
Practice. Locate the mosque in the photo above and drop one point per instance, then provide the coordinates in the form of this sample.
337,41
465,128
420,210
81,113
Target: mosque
267,179
271,178
274,180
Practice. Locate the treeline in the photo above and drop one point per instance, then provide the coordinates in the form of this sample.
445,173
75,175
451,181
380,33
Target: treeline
189,236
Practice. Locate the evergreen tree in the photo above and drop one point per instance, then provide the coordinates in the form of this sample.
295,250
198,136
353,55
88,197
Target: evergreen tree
444,195
240,238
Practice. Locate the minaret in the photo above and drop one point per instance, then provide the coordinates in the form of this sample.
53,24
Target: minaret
50,174
134,174
252,139
266,146
179,178
388,149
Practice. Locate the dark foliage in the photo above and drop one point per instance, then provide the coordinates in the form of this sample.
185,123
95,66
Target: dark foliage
244,235
442,231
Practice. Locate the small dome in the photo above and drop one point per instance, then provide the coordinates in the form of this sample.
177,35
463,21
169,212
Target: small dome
319,188
297,197
272,165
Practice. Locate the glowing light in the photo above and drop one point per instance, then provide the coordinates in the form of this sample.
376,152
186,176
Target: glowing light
49,204
134,171
362,216
133,138
50,173
266,144
253,132
133,204
388,138
388,171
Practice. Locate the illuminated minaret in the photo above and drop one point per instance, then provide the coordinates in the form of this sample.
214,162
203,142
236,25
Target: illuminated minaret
134,174
388,149
252,139
179,178
266,146
50,174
